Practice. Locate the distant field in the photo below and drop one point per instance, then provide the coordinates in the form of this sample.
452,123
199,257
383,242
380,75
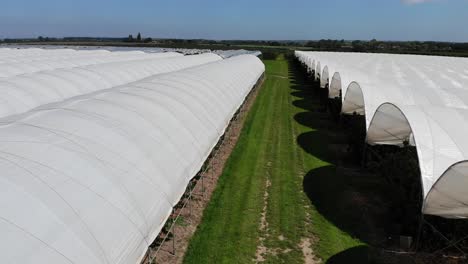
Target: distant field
265,174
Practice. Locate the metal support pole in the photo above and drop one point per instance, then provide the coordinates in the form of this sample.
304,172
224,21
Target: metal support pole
189,201
203,185
173,240
450,242
173,233
150,256
453,244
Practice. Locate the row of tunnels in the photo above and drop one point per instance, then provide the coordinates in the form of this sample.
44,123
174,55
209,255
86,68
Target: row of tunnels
395,171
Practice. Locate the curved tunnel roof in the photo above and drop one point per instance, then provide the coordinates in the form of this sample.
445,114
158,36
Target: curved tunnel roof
45,62
418,99
24,92
11,69
94,178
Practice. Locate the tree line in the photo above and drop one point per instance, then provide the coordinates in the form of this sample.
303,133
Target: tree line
138,39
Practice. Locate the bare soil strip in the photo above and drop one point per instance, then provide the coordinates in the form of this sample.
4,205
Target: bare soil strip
262,249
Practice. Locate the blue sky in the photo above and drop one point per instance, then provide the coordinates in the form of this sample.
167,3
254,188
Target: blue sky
441,20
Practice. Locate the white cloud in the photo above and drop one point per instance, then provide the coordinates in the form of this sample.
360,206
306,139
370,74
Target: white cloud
414,2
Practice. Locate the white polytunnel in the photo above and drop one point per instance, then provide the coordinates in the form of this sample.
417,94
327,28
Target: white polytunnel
24,92
311,65
306,62
342,64
354,100
324,79
83,58
335,86
415,100
39,54
93,179
317,71
34,54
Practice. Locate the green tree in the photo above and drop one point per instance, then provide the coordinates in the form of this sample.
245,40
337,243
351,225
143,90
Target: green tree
138,39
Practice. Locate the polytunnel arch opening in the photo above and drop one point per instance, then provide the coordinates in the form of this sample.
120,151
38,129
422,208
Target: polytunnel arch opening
354,119
324,88
353,103
391,155
318,72
445,208
447,197
312,71
306,66
334,96
324,79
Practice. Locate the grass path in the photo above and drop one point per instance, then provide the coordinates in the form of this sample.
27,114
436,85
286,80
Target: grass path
269,151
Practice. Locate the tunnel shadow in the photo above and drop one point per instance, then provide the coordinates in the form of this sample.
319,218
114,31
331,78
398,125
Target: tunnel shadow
316,120
302,103
368,255
351,203
357,255
325,141
311,142
357,201
342,194
332,190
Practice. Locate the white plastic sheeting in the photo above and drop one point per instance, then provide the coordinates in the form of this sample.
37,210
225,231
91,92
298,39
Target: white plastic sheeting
33,54
341,63
77,59
324,78
318,71
335,86
232,53
24,92
422,100
223,53
94,178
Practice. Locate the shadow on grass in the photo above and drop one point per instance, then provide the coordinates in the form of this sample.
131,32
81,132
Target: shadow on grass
346,202
358,255
315,120
315,143
356,201
332,190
